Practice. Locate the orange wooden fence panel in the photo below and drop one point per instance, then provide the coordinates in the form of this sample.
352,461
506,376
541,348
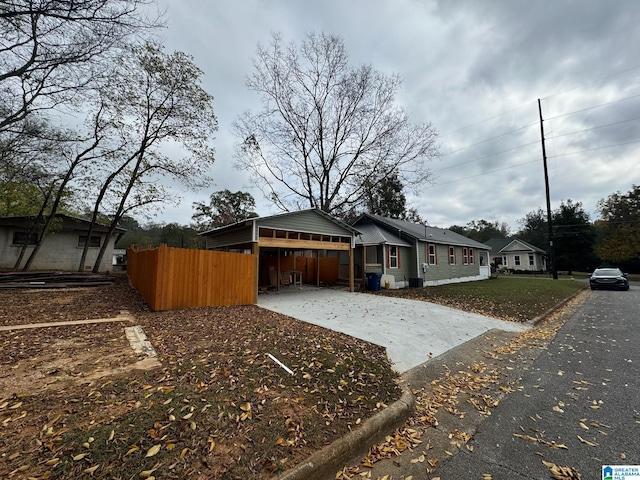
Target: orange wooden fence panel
173,278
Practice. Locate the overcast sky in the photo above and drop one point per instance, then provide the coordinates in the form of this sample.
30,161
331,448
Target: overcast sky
474,69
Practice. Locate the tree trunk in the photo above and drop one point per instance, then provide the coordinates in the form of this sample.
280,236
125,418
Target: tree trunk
118,215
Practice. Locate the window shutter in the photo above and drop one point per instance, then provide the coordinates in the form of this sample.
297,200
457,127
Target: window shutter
388,249
398,252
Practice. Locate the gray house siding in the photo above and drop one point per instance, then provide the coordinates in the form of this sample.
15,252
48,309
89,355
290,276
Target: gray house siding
232,237
403,272
443,272
308,221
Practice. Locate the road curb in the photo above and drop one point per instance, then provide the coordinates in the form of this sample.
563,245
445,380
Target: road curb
326,462
546,314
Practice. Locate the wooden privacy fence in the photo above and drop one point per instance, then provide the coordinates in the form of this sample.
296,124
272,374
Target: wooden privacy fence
173,278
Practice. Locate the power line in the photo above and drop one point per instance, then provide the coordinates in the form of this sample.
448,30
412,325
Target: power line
482,174
595,106
485,120
489,139
486,156
595,148
594,128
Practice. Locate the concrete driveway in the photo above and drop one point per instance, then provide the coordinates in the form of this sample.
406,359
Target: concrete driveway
412,331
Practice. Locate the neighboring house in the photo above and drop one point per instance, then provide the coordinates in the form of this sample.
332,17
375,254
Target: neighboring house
291,248
61,248
515,254
119,259
411,254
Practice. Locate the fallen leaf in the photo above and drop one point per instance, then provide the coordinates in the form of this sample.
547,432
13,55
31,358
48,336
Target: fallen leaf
153,451
591,444
90,470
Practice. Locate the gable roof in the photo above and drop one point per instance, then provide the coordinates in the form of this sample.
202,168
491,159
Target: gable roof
284,221
501,244
372,234
423,233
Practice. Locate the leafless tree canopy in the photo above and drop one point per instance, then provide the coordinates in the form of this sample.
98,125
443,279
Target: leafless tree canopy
326,128
49,48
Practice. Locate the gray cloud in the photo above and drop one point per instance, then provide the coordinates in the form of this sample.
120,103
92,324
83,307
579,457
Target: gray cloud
475,69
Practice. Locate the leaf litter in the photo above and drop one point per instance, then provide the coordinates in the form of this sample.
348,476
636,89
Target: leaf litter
219,407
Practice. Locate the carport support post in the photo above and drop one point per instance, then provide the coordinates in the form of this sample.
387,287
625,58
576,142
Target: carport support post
351,285
255,250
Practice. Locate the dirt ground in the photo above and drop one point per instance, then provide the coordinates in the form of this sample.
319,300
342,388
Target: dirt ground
73,403
56,357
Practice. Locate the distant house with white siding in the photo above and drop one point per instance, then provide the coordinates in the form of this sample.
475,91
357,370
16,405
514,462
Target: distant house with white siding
515,254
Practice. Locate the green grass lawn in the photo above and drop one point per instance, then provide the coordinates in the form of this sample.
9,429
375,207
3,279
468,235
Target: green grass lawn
508,297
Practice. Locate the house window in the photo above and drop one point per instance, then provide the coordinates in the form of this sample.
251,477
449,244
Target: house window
504,261
432,258
471,259
94,242
452,255
516,260
21,238
393,256
372,255
531,261
465,256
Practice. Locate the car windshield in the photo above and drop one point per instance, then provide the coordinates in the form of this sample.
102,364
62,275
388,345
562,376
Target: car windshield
607,272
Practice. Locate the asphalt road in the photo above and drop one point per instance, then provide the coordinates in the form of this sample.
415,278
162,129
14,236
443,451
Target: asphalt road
579,405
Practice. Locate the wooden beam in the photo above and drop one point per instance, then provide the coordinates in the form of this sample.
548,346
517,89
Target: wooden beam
303,244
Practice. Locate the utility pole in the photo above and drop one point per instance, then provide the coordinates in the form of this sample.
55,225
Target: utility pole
552,253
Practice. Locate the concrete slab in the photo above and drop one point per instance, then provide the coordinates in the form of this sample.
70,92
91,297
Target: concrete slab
412,331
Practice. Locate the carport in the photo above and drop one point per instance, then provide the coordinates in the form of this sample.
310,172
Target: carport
291,248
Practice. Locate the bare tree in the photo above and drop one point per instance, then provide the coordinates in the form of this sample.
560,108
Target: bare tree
74,153
156,99
51,49
326,128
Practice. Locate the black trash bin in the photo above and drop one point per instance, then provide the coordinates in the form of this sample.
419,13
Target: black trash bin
373,281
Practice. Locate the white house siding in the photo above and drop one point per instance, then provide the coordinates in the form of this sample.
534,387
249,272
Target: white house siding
524,261
59,251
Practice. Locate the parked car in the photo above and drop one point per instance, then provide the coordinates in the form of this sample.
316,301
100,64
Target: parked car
608,278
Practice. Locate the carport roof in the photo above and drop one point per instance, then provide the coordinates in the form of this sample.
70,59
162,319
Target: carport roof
283,217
